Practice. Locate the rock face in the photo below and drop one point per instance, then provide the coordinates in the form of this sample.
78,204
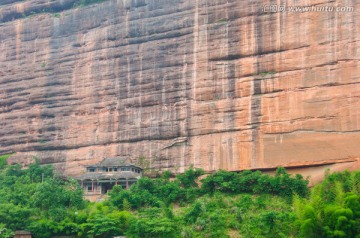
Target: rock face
218,84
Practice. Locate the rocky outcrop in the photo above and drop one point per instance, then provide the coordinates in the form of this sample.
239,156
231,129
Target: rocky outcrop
218,84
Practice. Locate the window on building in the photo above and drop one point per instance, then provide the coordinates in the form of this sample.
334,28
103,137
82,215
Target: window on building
89,188
123,169
91,169
110,169
128,169
115,169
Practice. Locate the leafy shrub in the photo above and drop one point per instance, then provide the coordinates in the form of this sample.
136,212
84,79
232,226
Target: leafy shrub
5,232
188,179
152,222
108,225
3,159
255,182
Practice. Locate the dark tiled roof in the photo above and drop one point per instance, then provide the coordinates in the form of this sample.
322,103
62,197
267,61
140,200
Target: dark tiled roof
108,175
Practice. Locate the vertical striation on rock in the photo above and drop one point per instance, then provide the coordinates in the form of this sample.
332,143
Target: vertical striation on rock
217,84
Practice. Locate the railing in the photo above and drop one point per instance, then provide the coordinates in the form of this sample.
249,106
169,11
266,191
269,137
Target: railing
95,192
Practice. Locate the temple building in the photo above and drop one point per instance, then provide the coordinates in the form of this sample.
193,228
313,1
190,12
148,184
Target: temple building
101,177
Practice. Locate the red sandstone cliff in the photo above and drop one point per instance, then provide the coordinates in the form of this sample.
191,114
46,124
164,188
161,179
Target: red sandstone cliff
218,84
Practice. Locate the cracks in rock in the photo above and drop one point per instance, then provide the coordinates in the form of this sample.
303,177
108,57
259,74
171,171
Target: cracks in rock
176,141
311,131
241,56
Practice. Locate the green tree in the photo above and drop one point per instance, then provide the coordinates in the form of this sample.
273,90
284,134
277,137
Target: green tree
332,210
189,177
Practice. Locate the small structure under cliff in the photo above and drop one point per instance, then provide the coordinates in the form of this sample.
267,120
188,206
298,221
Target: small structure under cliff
101,177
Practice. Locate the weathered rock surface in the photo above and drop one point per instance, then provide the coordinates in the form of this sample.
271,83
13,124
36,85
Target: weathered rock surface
214,83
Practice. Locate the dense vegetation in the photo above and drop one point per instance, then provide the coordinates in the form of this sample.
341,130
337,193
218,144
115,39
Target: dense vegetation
86,2
223,204
332,209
